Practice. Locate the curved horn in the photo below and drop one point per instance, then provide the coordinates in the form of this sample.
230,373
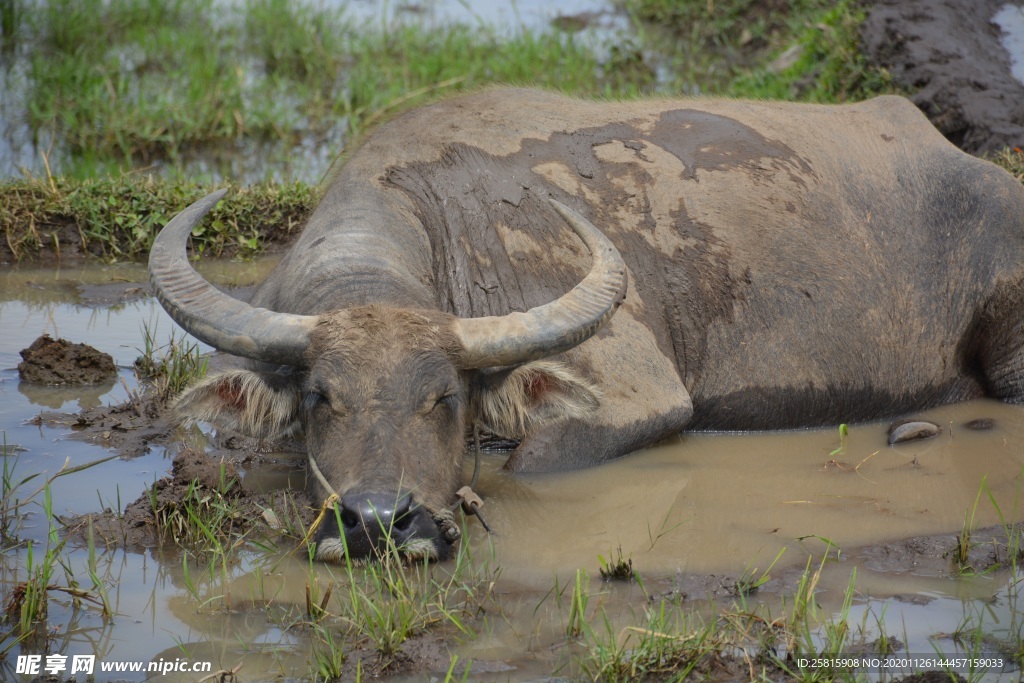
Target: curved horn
557,326
210,315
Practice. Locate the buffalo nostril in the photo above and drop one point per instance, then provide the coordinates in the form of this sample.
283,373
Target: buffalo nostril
349,518
403,513
379,510
372,522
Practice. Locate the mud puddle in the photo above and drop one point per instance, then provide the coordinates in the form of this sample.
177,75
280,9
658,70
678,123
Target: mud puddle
693,516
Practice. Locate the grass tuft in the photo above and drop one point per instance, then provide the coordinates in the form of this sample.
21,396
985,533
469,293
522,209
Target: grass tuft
822,63
1012,159
118,218
621,569
169,368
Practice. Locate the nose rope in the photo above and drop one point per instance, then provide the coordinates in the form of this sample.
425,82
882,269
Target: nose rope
467,497
445,518
328,503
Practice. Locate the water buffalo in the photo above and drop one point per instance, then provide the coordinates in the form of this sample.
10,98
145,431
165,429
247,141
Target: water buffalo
785,265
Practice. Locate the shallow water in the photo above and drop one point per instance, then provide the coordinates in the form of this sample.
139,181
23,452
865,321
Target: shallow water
1010,19
499,15
702,504
703,500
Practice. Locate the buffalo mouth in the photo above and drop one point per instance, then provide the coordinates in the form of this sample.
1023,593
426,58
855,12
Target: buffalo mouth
369,526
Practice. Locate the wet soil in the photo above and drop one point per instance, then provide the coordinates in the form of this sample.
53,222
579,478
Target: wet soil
986,549
979,551
129,428
59,361
949,56
197,475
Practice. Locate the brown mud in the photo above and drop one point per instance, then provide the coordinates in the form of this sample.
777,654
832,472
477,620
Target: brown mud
987,550
948,55
58,361
128,428
194,475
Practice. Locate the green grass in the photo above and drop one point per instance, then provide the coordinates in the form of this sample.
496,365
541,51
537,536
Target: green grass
619,569
824,64
664,642
375,607
1006,554
752,578
16,497
117,218
204,520
671,640
11,518
805,49
354,614
328,654
390,600
26,604
211,529
116,82
169,368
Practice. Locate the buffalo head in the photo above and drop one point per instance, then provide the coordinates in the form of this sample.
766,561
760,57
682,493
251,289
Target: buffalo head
384,395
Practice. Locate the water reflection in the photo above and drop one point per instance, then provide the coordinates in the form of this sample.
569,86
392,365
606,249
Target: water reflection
56,397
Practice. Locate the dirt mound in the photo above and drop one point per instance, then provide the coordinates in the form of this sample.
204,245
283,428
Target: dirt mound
129,428
58,361
207,485
949,55
983,550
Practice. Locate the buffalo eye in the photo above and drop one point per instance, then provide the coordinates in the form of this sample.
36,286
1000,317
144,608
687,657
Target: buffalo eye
313,399
449,402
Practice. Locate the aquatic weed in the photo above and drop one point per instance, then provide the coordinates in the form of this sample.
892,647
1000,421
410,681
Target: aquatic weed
169,368
27,604
750,580
619,570
328,654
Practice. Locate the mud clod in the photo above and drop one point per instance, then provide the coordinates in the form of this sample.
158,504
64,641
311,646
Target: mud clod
981,424
58,361
195,466
130,428
194,476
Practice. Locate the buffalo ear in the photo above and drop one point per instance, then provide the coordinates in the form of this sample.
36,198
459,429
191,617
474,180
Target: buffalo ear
512,403
262,405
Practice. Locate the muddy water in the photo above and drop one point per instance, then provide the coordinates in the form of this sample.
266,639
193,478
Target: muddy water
701,502
700,506
106,307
